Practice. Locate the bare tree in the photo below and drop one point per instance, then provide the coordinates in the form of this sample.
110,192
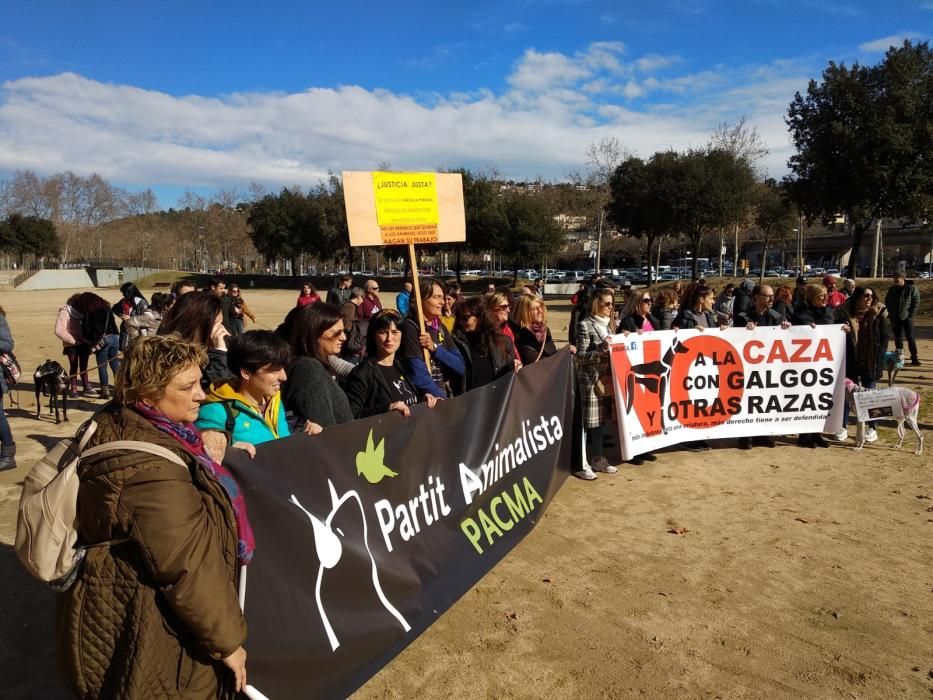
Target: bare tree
602,158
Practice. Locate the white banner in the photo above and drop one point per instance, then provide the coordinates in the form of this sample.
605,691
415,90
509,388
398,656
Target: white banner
677,386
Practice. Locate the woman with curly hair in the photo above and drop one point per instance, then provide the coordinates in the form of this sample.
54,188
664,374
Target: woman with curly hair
154,610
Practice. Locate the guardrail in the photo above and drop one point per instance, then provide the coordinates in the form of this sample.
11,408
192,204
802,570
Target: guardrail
22,277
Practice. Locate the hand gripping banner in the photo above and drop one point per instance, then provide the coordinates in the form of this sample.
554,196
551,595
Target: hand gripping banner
676,386
368,532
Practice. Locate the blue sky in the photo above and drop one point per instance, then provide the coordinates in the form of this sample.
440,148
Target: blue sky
209,95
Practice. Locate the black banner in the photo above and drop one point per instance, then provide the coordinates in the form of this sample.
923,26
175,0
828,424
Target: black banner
367,533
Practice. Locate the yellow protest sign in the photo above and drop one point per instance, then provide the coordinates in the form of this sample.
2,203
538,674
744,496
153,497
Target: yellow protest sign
385,208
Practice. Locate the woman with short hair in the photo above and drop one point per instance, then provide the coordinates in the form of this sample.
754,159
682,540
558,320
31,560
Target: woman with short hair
248,406
313,399
154,610
379,384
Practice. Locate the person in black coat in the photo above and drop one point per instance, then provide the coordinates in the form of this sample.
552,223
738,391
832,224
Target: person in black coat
697,309
378,384
636,314
742,300
533,337
813,312
487,352
762,313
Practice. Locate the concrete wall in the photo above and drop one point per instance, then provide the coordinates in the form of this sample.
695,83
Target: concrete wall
131,274
106,278
59,279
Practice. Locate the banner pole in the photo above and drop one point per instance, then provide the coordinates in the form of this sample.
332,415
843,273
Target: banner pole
417,289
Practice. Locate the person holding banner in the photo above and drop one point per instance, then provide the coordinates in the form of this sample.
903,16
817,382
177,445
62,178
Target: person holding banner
488,354
813,312
636,314
378,384
446,362
154,611
534,337
763,313
313,400
866,342
249,405
696,311
595,378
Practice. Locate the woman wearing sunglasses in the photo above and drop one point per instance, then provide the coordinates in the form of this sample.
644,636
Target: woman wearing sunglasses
379,384
866,342
636,314
637,318
498,309
595,380
313,399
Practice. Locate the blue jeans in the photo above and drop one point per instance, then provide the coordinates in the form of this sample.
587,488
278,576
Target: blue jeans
108,355
6,435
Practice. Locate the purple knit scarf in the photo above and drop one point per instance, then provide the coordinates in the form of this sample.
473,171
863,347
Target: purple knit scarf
190,439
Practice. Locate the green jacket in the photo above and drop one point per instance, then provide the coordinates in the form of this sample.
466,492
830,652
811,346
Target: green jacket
902,302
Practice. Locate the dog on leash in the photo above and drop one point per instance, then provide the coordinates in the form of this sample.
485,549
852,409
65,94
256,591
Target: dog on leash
893,363
51,380
910,403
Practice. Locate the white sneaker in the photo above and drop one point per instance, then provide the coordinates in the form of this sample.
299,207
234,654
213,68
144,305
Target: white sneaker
871,435
841,436
601,464
586,474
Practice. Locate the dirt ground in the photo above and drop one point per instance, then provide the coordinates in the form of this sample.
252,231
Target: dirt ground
802,573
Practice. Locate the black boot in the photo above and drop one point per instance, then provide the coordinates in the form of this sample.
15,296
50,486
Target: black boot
7,457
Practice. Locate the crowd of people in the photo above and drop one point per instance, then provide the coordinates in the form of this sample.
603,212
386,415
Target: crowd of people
190,377
867,321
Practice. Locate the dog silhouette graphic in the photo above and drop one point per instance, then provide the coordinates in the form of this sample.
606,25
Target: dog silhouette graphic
329,546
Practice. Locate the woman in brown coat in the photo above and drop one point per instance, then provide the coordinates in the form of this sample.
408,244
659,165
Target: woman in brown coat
154,610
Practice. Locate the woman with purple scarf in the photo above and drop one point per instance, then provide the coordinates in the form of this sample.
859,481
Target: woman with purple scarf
154,611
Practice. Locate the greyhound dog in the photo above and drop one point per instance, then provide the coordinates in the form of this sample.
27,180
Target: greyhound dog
51,380
910,402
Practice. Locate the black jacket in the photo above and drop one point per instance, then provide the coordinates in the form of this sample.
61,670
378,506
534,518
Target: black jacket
367,390
529,347
633,323
503,360
769,317
818,316
873,362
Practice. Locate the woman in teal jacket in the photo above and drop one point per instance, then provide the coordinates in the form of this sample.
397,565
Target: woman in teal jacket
249,405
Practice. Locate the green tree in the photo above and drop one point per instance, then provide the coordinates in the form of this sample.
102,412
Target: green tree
706,189
863,140
28,235
529,231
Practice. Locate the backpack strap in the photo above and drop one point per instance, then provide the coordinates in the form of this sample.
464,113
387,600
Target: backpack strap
230,423
134,446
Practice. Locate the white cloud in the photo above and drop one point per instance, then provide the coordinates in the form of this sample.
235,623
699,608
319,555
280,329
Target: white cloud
654,62
555,107
884,43
539,71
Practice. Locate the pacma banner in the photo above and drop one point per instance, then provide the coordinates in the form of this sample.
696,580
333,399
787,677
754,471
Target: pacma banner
368,532
675,386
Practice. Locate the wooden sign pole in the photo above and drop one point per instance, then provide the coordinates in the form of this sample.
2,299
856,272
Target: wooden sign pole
413,264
